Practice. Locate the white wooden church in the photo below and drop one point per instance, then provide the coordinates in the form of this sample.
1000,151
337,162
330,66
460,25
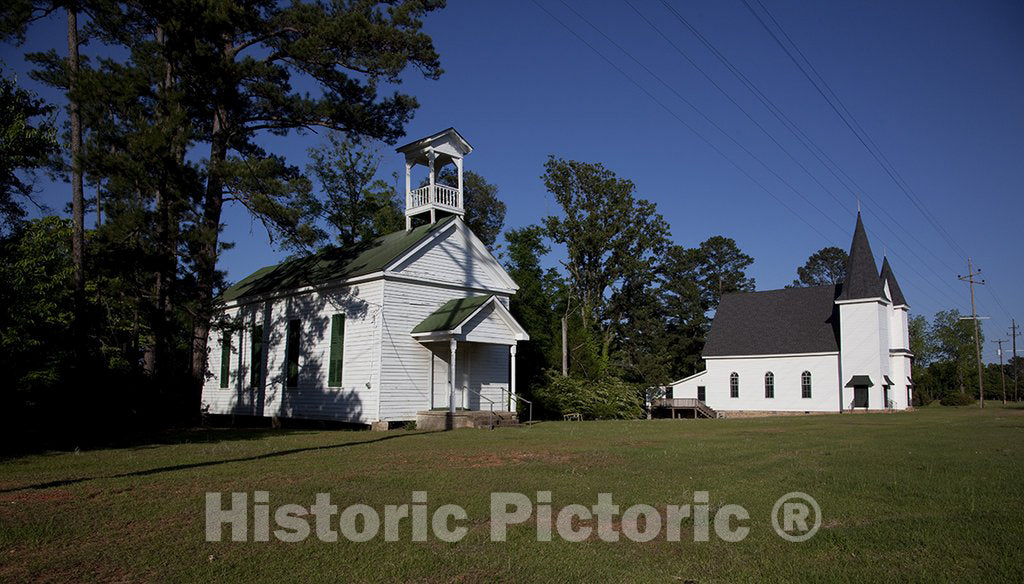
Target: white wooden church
412,322
816,349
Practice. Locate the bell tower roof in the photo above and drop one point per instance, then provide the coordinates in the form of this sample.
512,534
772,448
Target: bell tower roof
434,200
448,142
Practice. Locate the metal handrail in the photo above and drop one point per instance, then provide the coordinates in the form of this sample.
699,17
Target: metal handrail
520,398
490,418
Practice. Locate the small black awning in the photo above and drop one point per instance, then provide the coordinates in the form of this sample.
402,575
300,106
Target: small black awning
860,381
910,381
888,381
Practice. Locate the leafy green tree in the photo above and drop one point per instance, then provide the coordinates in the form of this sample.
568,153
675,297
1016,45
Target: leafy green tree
613,243
686,308
249,52
223,72
533,306
356,204
922,344
721,269
485,212
36,291
15,16
827,266
27,139
953,339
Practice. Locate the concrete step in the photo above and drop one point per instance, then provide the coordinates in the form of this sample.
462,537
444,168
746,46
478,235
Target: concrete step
441,420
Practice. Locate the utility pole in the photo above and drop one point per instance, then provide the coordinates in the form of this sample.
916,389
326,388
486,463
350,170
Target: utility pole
1002,373
974,316
1013,338
565,347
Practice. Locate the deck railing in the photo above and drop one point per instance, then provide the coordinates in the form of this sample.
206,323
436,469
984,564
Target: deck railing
685,402
435,194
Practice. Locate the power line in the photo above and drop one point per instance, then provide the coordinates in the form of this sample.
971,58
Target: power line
848,119
699,134
702,114
779,115
680,120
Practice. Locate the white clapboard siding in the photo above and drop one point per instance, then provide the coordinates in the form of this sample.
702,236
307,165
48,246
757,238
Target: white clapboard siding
487,326
751,370
405,363
489,373
454,260
354,401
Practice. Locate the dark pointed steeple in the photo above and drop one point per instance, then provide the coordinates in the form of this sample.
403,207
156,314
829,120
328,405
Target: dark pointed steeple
894,289
862,279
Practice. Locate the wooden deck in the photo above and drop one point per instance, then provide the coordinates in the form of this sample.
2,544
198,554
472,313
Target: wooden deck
685,407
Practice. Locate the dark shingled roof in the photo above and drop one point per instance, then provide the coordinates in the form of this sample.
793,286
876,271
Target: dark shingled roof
862,279
451,314
860,381
333,263
774,322
894,288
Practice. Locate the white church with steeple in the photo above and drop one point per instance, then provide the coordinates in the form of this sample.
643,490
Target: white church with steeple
413,325
816,349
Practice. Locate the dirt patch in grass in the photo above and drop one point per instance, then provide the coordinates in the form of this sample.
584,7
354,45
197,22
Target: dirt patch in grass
35,496
495,459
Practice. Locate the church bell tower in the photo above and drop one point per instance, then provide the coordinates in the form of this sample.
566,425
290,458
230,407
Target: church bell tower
434,201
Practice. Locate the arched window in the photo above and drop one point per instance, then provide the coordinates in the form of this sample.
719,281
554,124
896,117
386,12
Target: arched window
769,385
805,384
734,384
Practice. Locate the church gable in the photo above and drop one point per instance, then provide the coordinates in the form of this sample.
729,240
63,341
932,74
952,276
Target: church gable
455,256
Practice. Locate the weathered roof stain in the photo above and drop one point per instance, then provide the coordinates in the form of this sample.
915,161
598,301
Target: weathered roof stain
451,314
332,263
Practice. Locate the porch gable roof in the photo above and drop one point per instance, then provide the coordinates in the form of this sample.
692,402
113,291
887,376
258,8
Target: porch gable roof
450,318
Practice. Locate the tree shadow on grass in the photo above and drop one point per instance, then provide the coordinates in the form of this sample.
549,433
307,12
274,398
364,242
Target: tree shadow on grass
208,463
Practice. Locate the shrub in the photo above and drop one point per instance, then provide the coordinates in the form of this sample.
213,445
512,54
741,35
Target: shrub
956,399
609,398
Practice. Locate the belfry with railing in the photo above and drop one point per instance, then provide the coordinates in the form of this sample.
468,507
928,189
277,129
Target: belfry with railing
433,200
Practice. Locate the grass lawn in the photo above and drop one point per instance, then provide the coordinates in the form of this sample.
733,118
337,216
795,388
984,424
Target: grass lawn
930,496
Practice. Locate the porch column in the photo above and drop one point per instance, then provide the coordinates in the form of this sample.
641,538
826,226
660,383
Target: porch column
458,167
512,388
431,157
430,376
408,194
453,344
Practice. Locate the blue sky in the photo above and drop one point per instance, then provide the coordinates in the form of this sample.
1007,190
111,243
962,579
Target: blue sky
937,86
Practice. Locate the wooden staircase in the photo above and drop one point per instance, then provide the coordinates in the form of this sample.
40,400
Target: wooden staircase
684,405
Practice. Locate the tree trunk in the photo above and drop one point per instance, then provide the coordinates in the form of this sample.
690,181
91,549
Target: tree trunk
206,259
77,193
166,230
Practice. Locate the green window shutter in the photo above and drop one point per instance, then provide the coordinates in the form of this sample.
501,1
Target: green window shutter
225,359
337,358
293,353
256,358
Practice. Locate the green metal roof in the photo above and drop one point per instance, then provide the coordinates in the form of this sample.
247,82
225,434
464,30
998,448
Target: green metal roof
332,263
451,314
